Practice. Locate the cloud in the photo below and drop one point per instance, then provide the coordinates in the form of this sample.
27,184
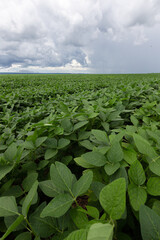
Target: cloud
66,35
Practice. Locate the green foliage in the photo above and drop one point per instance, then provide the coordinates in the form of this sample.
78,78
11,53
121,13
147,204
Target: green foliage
113,198
150,223
79,157
100,231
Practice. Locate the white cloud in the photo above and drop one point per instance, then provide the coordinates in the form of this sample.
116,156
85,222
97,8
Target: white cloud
42,34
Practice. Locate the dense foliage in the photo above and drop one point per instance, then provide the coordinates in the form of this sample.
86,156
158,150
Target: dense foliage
79,157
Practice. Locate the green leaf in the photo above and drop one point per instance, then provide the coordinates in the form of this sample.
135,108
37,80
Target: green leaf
61,176
87,144
136,173
79,218
97,187
29,145
77,235
24,236
4,169
44,227
115,153
94,158
62,143
111,168
67,125
154,166
10,220
100,136
51,143
113,198
144,146
91,211
134,120
15,191
137,196
83,163
29,181
153,186
11,152
100,231
130,156
50,153
156,207
29,198
8,206
150,223
14,225
49,189
39,141
79,125
58,206
82,185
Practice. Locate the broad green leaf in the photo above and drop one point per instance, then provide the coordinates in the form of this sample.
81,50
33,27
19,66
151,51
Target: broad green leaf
10,220
100,136
24,236
113,198
62,143
79,218
29,145
4,169
150,223
87,144
83,135
130,156
79,125
100,231
50,153
77,235
61,176
83,163
134,121
42,164
115,153
94,158
44,227
82,185
120,173
137,196
51,143
97,187
144,146
153,186
29,198
67,125
111,168
39,141
136,173
91,211
58,206
64,107
29,181
11,152
156,207
14,225
154,166
8,206
15,191
49,189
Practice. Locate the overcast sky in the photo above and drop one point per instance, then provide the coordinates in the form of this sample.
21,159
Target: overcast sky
87,36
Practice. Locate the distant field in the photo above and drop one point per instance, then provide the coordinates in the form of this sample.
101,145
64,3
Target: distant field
79,156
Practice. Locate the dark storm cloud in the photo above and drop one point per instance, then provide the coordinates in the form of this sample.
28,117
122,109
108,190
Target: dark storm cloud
66,35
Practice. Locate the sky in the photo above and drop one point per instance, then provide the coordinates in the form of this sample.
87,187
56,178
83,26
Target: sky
87,36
